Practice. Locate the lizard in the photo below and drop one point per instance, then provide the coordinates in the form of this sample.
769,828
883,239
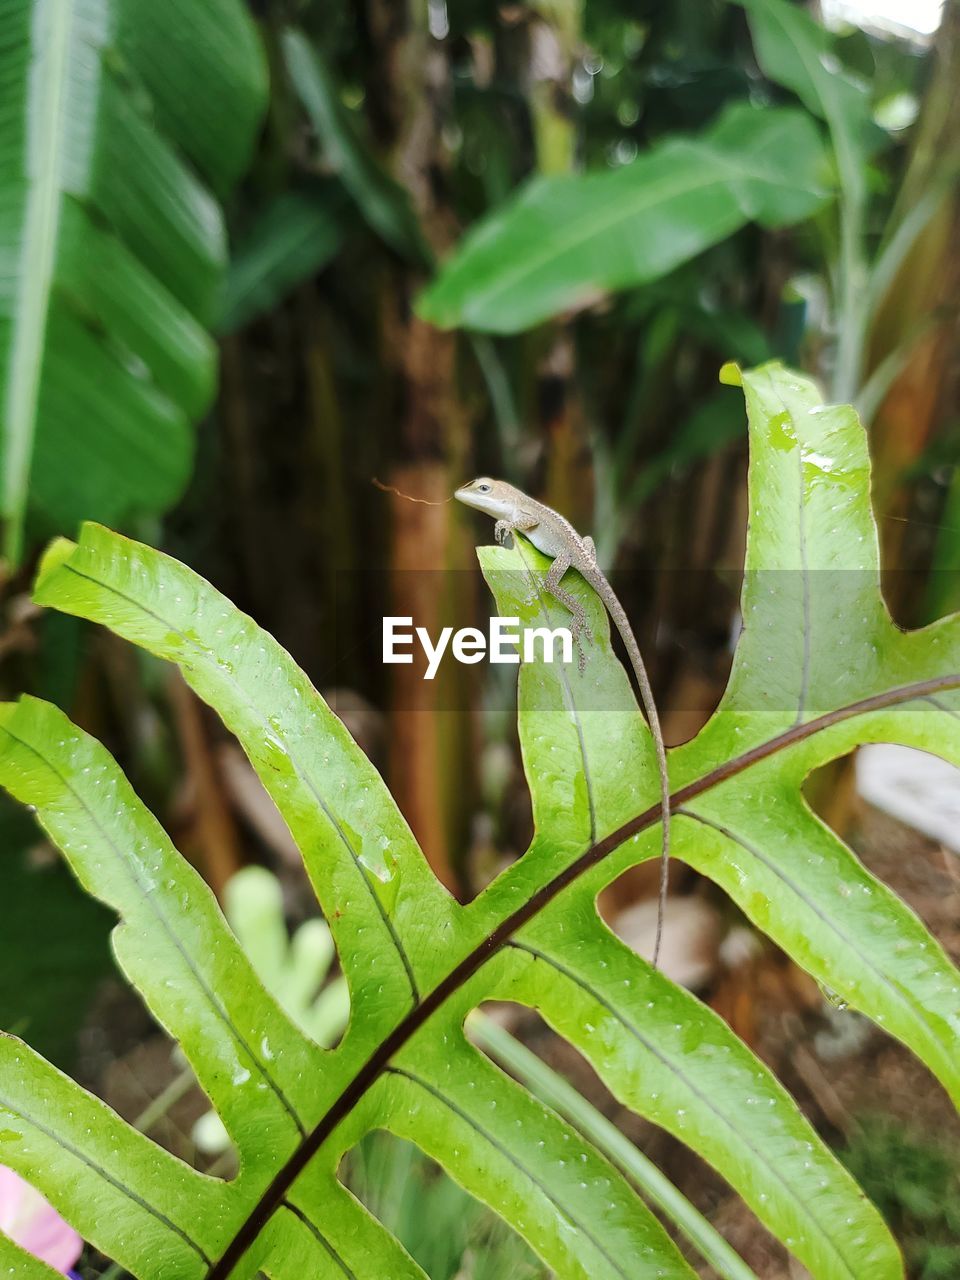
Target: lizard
554,536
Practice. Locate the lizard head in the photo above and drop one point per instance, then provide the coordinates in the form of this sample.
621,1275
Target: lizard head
491,496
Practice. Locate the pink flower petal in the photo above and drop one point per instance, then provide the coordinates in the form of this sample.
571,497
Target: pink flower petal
33,1223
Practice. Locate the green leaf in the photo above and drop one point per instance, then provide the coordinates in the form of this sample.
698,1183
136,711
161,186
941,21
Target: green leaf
558,1093
819,668
292,239
562,242
382,201
15,1262
574,1207
710,426
187,965
357,849
207,86
591,765
143,593
110,1182
795,50
115,247
818,638
667,1057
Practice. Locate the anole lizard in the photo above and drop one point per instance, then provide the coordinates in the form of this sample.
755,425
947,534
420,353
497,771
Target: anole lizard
556,537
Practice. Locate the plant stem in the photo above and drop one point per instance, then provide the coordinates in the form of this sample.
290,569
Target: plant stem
893,253
502,402
851,267
158,1108
851,327
559,1094
873,392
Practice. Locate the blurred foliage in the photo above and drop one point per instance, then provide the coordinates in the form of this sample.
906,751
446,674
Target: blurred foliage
293,969
293,237
624,79
915,1183
54,947
117,137
451,1235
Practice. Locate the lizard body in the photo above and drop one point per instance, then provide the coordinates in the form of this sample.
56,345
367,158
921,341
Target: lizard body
555,536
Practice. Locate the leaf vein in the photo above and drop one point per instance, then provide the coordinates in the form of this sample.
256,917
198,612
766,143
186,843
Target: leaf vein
651,1048
568,698
942,706
379,1059
321,1239
149,896
327,812
117,1185
805,580
752,849
509,1156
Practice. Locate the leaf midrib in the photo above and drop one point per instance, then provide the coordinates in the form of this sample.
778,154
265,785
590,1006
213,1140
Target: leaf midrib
380,1058
41,220
897,995
590,226
101,1171
673,1066
301,771
130,866
570,702
533,1178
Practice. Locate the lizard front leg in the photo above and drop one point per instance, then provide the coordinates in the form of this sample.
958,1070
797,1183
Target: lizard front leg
579,625
519,524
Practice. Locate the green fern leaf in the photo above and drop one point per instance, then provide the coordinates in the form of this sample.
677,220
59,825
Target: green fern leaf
819,668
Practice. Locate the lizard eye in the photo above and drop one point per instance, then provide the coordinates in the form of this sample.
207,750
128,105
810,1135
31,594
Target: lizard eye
483,488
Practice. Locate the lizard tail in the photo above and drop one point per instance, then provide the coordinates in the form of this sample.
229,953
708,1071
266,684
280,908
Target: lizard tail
622,622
